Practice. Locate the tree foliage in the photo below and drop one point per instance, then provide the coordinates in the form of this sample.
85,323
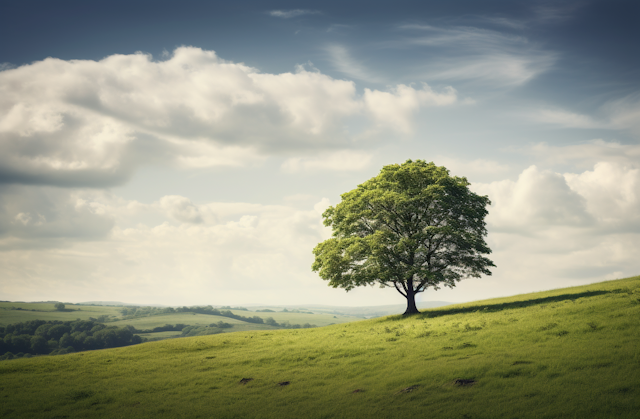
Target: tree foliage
411,227
57,337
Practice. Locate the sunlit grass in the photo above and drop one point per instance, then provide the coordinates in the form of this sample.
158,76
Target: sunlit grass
47,311
569,353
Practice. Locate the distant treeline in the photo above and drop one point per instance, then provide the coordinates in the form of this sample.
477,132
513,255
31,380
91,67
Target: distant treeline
286,325
142,311
215,328
41,337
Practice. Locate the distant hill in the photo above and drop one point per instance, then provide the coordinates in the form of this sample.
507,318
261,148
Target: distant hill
117,304
365,311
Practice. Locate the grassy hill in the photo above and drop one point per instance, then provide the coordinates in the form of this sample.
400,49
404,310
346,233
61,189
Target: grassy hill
568,353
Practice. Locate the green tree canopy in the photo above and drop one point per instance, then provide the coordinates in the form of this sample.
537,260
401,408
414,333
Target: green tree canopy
411,227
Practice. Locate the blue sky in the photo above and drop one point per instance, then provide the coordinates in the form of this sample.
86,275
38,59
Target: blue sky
183,152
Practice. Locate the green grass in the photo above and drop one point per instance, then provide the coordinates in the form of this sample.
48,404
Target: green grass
160,335
319,319
47,311
570,353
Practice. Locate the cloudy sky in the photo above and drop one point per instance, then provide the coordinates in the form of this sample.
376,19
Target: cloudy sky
163,152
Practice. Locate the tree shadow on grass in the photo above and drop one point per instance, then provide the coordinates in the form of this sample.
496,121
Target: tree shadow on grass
491,308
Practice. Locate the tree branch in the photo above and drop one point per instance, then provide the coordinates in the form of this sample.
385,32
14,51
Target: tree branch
395,284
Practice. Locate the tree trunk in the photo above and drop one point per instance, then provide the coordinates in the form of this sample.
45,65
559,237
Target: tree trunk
411,302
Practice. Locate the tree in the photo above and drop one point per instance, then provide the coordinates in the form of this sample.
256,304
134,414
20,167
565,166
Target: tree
59,306
411,227
39,345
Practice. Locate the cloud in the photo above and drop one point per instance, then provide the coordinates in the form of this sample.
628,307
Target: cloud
395,107
341,59
586,154
556,13
612,194
181,208
546,230
288,14
502,21
93,123
345,160
618,114
550,230
50,217
624,113
536,200
251,253
566,119
601,201
475,54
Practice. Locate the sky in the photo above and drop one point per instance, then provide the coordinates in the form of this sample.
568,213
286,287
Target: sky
182,153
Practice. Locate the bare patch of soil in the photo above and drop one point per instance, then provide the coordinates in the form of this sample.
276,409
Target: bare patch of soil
409,389
245,380
464,382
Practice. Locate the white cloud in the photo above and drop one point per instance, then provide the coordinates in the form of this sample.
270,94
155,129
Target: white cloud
587,154
499,69
181,208
251,253
536,200
469,53
566,119
345,160
551,230
343,62
612,194
624,113
618,114
288,14
93,123
395,107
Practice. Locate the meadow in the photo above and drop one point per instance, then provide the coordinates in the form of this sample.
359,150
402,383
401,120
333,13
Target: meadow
567,353
16,312
12,312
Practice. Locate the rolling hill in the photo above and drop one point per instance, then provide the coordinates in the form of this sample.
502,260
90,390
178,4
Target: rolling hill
566,353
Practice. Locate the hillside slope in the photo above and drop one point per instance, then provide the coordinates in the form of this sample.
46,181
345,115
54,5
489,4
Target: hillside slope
559,354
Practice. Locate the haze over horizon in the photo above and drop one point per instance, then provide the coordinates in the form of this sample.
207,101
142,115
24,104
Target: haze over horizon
172,153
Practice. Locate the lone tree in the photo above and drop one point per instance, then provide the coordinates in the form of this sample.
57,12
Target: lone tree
412,227
59,306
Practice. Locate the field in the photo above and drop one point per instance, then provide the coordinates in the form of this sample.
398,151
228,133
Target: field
47,311
568,353
12,312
